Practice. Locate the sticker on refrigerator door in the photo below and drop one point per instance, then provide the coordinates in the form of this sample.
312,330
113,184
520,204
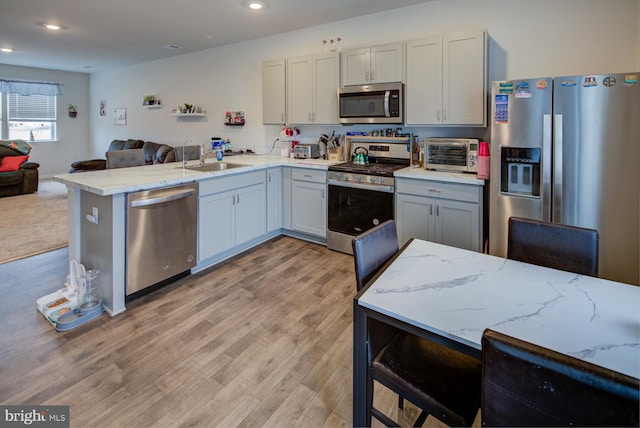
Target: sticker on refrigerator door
502,108
630,79
541,84
522,90
505,87
590,81
609,81
566,83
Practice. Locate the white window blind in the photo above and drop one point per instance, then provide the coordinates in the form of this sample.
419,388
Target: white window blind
32,107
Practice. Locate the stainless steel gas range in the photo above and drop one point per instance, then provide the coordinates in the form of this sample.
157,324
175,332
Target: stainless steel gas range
361,192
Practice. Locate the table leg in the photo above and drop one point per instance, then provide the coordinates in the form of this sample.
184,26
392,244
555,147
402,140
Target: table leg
362,385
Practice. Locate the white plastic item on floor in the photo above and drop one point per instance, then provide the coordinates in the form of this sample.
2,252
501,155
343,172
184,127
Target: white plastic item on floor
64,300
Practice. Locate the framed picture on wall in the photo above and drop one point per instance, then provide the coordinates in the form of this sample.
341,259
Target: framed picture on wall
120,116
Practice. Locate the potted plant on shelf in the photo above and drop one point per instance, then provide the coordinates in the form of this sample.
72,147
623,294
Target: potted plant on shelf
73,110
149,100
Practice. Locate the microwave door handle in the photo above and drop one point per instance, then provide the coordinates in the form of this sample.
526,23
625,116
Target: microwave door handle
387,98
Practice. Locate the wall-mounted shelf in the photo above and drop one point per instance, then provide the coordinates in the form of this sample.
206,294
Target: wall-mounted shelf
188,114
152,106
233,124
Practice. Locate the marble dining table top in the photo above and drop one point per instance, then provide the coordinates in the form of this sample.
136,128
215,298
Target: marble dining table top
458,293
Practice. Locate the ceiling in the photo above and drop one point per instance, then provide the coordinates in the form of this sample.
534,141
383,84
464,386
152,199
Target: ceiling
103,34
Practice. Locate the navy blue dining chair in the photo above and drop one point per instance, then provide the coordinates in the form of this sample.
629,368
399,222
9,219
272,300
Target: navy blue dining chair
527,385
440,381
553,245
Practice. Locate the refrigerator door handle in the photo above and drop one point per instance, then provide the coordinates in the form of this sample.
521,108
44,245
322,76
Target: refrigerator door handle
546,167
557,168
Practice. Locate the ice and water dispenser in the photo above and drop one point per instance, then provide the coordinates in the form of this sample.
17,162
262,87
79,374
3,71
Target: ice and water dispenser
520,171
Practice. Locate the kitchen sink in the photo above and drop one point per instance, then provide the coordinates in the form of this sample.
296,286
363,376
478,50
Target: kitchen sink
218,166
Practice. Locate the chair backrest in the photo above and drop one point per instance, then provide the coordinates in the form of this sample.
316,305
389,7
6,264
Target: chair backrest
372,249
124,158
190,153
558,246
527,385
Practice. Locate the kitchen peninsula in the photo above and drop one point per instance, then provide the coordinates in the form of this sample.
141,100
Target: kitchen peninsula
240,207
98,210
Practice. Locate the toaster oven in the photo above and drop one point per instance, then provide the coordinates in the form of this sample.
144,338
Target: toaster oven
306,151
452,154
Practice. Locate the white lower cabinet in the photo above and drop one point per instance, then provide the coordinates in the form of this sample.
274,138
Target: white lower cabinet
274,199
309,201
449,214
231,212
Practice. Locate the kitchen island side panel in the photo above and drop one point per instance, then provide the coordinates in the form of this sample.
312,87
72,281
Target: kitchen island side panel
102,245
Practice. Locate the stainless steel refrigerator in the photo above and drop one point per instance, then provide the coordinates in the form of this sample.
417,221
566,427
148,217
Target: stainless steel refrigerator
567,150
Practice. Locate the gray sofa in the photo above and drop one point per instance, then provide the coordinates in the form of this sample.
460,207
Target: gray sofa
154,153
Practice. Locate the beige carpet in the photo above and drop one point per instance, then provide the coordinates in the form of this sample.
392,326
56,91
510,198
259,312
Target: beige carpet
35,223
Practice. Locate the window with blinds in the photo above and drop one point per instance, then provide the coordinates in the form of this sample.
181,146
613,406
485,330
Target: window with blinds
31,117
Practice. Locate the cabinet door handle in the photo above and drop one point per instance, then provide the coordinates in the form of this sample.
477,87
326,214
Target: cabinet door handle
438,115
444,115
238,196
308,176
309,117
373,76
282,117
434,190
430,209
438,210
366,76
322,193
269,178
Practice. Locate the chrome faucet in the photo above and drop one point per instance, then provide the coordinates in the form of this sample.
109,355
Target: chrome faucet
184,159
204,153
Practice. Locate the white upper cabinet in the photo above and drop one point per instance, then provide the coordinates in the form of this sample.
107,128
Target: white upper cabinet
273,92
423,92
447,80
312,89
378,64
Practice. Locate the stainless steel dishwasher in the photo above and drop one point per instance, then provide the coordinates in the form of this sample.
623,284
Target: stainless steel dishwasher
161,236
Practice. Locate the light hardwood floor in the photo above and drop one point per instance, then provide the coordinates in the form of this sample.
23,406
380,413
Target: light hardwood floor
263,339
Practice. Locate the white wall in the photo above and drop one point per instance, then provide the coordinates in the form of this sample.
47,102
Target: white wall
529,38
73,134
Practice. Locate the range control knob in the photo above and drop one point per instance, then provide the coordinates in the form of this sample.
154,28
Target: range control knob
372,179
381,180
358,178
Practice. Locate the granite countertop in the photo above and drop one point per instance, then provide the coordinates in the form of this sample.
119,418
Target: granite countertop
124,180
458,293
448,177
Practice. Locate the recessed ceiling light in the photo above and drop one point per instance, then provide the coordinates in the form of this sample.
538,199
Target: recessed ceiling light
6,50
172,47
256,5
51,26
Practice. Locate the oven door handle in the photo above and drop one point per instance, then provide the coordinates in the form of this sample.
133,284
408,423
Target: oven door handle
365,186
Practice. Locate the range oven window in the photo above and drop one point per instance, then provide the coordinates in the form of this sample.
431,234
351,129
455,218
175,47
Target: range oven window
353,211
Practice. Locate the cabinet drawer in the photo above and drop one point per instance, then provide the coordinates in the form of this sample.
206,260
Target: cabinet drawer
313,175
231,182
439,189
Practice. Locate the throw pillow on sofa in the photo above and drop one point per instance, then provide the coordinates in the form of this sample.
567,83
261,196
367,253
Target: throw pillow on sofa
12,163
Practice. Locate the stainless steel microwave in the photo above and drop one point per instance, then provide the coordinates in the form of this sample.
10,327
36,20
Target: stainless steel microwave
377,103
